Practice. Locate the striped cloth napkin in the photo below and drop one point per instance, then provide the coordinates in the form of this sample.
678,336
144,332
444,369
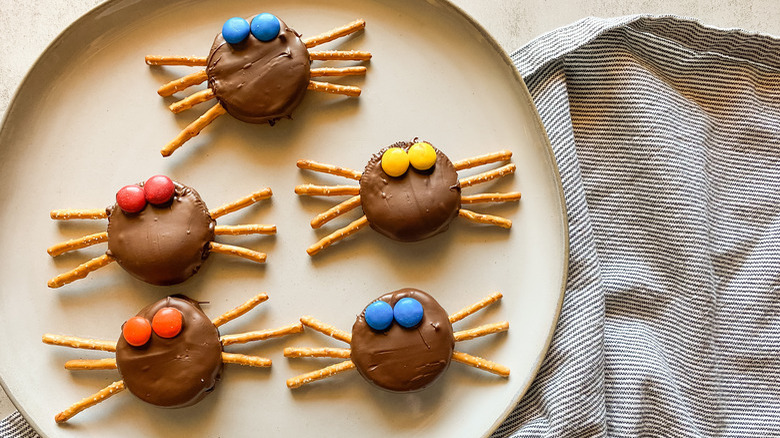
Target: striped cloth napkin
667,134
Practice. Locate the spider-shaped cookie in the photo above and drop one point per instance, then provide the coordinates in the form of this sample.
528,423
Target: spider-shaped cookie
258,70
159,231
409,191
170,354
401,342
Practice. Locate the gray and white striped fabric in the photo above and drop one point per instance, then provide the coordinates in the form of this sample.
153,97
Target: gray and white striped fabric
667,135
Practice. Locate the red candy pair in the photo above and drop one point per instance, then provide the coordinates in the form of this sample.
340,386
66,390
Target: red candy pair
156,190
166,323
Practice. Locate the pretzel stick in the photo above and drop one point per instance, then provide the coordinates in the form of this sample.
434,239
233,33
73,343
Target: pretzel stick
192,100
67,214
335,33
337,235
482,364
244,202
481,304
243,359
235,230
335,212
192,61
182,83
490,197
320,374
329,168
327,87
487,176
239,310
92,400
96,364
479,160
74,244
340,55
314,190
485,218
345,71
261,335
313,323
81,271
342,353
483,330
82,343
246,253
193,129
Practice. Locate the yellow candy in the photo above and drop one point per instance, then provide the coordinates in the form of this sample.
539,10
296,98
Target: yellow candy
422,156
395,161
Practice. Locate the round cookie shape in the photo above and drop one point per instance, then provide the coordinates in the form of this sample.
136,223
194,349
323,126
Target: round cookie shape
259,81
404,359
414,206
162,244
178,371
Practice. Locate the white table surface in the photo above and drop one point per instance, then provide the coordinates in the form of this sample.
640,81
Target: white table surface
29,26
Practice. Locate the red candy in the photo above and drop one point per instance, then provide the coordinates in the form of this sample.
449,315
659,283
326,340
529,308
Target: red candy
158,189
137,331
131,199
167,322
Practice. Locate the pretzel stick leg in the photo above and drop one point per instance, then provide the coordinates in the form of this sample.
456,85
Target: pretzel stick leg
74,244
487,176
487,219
244,202
95,364
92,400
315,190
479,305
192,61
490,197
192,100
335,33
320,374
483,330
482,364
329,168
236,230
342,353
479,160
339,55
81,271
240,310
193,129
334,212
182,83
337,235
326,329
343,71
248,254
243,359
82,343
67,214
347,90
261,335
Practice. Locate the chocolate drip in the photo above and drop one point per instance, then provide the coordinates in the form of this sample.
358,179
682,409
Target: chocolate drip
414,206
404,359
174,372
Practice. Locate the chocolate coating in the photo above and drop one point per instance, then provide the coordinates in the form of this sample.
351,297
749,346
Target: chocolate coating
413,206
164,244
404,359
173,372
257,81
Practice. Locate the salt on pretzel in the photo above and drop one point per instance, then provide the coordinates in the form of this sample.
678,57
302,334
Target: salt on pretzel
340,55
246,253
337,235
320,374
260,335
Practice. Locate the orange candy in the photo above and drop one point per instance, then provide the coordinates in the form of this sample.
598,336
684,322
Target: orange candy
137,331
167,322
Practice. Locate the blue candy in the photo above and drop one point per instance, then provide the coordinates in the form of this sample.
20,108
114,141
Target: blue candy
408,312
265,26
379,315
235,30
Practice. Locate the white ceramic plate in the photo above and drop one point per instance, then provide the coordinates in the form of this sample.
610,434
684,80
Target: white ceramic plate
87,121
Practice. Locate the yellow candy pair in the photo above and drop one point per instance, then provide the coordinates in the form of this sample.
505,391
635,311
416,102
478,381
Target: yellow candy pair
395,161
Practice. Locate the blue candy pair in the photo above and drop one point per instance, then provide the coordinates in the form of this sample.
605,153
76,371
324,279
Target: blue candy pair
264,27
408,312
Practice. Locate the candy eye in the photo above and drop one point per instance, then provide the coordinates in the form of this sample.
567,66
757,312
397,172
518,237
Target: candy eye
137,331
131,199
395,162
408,312
265,27
379,315
158,189
167,322
422,156
235,30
